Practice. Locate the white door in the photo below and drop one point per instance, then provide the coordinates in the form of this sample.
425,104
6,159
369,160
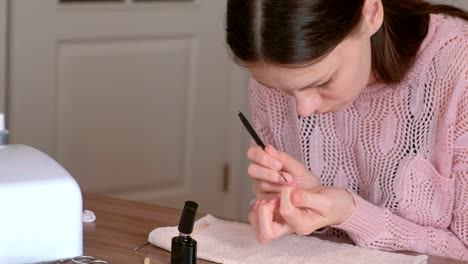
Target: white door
460,3
134,98
3,35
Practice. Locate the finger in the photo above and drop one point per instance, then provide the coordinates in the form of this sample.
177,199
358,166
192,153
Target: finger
261,186
259,156
290,179
278,227
287,210
259,172
253,214
259,195
289,163
302,221
291,167
264,222
311,200
266,196
268,229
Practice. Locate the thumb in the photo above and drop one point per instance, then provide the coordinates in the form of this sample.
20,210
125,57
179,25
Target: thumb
302,221
310,200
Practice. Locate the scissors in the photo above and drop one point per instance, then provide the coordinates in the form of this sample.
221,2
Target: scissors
76,260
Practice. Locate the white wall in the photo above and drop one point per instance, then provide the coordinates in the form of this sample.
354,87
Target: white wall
459,3
3,32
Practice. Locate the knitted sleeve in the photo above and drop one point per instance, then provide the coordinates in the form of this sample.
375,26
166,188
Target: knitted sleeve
377,227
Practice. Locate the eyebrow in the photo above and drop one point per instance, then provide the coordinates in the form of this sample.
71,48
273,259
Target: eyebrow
321,81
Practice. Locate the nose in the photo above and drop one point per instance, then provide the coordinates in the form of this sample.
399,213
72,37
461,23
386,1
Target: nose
306,106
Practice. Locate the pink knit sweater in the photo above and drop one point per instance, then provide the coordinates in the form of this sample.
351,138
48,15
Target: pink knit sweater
401,149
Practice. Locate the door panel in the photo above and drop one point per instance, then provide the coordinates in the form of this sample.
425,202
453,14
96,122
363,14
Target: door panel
134,99
3,54
145,111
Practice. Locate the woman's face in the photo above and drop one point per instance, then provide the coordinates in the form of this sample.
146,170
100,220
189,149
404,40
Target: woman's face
334,82
329,85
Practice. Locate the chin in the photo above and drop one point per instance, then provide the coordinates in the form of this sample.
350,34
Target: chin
342,107
335,109
324,112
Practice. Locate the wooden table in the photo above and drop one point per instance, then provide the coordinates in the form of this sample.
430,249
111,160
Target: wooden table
122,225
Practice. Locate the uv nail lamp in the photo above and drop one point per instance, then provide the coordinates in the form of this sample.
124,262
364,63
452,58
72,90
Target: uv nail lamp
40,208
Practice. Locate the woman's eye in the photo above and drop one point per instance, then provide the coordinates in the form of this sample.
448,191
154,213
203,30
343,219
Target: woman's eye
325,85
322,86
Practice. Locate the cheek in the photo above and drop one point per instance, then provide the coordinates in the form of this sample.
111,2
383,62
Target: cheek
357,59
366,62
356,76
362,65
350,83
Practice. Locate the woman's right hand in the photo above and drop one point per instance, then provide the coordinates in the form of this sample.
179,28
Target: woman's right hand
267,182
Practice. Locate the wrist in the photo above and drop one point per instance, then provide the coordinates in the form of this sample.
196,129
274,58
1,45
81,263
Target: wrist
351,205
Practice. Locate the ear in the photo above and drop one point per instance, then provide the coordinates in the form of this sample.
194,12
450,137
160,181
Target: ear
372,16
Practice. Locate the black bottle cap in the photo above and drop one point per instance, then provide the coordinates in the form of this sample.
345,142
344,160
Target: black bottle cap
187,219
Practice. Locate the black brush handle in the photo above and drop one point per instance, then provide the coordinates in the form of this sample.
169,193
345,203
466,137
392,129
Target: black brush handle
255,136
250,129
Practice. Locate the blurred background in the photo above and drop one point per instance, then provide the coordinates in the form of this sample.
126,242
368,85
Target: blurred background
135,98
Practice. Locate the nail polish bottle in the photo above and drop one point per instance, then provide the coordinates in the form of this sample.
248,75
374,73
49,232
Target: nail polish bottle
184,248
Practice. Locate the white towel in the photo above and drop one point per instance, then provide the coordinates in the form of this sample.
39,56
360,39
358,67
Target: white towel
231,242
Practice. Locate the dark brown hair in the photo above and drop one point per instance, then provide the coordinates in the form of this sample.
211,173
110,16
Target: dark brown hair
292,32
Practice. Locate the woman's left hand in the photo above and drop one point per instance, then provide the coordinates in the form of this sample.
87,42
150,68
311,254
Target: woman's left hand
300,211
266,220
308,210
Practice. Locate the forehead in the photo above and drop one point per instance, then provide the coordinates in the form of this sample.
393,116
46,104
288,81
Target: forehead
289,77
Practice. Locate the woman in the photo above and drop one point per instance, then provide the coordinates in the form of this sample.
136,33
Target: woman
365,105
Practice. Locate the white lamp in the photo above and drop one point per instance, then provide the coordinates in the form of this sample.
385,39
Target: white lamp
40,208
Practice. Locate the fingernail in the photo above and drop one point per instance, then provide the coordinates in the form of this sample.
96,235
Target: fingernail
277,201
296,198
274,150
274,200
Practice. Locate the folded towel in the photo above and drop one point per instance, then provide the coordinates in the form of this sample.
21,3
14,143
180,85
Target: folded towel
231,242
